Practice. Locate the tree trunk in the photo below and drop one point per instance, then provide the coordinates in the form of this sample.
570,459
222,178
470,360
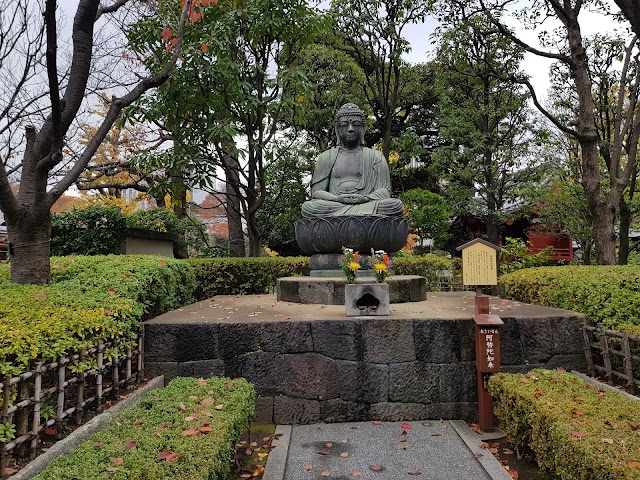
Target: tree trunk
625,224
234,209
586,255
29,246
255,238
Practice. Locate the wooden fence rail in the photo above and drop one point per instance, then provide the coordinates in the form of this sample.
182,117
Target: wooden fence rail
616,354
45,398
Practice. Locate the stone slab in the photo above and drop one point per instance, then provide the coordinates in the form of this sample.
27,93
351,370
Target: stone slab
431,447
366,299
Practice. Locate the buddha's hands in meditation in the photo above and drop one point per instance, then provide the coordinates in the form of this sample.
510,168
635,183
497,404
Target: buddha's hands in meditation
352,198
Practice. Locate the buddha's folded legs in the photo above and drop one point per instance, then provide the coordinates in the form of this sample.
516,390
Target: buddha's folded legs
387,207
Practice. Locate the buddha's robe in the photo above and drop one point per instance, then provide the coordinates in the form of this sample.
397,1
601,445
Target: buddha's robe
375,184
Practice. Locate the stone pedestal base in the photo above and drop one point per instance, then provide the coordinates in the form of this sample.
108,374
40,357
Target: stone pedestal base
330,291
366,299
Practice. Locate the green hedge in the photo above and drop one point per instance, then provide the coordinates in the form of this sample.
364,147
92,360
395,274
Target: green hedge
90,300
429,266
607,294
576,430
158,426
246,276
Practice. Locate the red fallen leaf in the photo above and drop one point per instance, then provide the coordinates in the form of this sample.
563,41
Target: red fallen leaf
475,427
190,432
524,380
182,407
375,468
328,445
577,413
415,473
406,426
308,468
228,384
560,369
204,423
484,445
634,426
322,452
167,456
111,289
167,33
49,431
514,474
493,450
162,263
205,429
162,425
107,312
131,445
494,444
202,382
578,434
376,422
40,295
117,460
204,47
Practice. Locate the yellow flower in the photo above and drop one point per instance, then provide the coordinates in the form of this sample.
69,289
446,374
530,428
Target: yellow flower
380,267
353,266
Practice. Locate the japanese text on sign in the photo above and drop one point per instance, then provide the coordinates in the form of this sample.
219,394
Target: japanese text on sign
479,265
488,351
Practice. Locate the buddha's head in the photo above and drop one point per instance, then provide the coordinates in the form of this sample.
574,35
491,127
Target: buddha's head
350,125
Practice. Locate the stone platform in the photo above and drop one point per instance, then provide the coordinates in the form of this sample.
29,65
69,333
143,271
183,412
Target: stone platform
330,291
310,363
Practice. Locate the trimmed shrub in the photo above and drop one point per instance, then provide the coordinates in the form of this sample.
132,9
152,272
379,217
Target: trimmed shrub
94,230
606,294
433,267
244,276
185,431
90,300
574,429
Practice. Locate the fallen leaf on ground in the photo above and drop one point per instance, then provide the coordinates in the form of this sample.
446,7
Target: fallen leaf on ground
325,473
117,460
356,473
344,454
328,445
484,445
136,422
633,464
322,453
608,440
415,473
131,445
344,441
406,426
308,468
578,434
376,422
167,456
375,468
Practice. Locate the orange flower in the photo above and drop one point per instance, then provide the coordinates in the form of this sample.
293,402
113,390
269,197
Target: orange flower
355,256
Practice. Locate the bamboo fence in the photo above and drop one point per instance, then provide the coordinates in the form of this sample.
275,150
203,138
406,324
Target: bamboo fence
613,353
46,398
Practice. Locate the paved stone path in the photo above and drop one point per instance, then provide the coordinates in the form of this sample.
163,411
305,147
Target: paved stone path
434,450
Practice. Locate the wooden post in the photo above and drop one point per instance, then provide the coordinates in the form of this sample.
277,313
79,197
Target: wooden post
100,361
21,418
487,362
115,374
35,425
586,340
60,400
628,365
80,391
606,354
4,419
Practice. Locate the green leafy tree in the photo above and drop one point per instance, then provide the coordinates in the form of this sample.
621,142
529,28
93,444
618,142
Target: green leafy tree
483,120
371,31
237,82
428,215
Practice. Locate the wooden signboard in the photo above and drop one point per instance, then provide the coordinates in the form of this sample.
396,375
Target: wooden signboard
479,263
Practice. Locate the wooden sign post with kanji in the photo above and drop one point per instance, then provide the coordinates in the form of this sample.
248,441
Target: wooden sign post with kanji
480,268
